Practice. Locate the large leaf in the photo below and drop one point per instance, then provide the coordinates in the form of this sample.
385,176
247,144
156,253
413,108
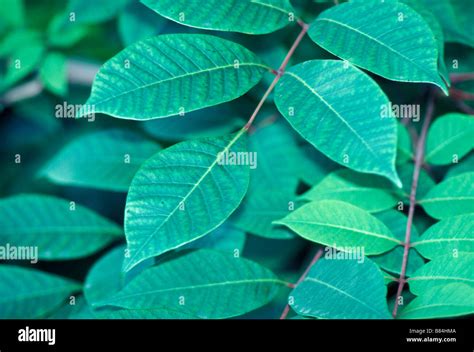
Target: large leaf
59,229
245,16
196,282
225,238
455,234
454,196
440,302
387,38
182,193
28,293
391,261
342,289
442,271
93,12
337,108
450,138
117,155
369,192
173,74
339,225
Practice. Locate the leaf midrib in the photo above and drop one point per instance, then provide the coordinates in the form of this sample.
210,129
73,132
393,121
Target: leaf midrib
446,142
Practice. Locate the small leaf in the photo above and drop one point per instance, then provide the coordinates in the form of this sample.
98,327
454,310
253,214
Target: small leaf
337,108
183,193
449,139
451,235
60,229
173,74
451,197
214,293
342,289
369,192
94,12
387,38
442,271
338,224
28,293
245,16
451,300
53,73
116,158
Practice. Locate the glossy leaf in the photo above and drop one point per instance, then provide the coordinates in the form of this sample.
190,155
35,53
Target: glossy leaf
94,12
215,293
28,293
451,235
117,155
60,229
453,196
337,108
339,225
449,139
173,74
247,16
342,289
182,193
387,38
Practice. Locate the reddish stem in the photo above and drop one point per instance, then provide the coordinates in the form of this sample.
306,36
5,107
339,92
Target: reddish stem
316,257
461,77
279,73
460,94
420,150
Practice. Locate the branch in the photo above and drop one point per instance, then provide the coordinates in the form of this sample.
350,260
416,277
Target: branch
458,94
78,72
279,73
316,257
461,77
419,155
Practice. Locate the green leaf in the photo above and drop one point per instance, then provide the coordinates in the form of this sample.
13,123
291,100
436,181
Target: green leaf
453,196
94,12
173,74
79,310
13,12
339,225
448,236
442,271
53,73
337,108
60,229
451,300
342,289
425,182
214,293
149,313
391,261
117,156
313,165
466,165
137,22
28,293
183,193
386,38
245,16
405,146
369,192
449,139
63,33
225,238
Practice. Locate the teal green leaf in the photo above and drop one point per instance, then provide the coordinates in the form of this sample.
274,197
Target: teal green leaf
425,182
313,165
337,108
53,73
226,238
136,22
387,38
454,234
453,268
173,74
196,283
405,146
117,155
213,121
453,196
391,261
369,192
59,229
339,225
149,313
245,16
452,300
64,33
94,12
450,138
13,12
28,293
342,289
79,310
466,165
182,193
